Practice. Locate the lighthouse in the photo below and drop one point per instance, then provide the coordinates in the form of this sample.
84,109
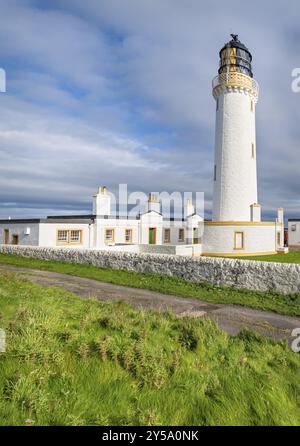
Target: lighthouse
235,174
236,228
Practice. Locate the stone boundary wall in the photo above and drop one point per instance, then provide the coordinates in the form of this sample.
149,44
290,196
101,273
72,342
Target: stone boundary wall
254,275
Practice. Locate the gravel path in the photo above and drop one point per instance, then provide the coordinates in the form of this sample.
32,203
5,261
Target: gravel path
229,317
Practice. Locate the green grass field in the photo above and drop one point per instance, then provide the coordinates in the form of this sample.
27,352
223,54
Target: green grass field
71,361
291,257
284,304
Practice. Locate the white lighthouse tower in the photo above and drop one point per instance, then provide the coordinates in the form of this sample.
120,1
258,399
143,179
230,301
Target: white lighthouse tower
235,176
236,228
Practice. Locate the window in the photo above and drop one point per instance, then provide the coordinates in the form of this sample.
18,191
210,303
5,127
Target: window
62,236
167,235
215,173
75,236
128,235
238,240
253,150
181,235
278,238
293,228
217,104
109,235
69,236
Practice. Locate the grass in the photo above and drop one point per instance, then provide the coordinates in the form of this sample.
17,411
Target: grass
288,304
291,257
71,361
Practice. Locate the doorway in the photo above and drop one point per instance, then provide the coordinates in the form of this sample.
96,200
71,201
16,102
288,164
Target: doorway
152,236
195,236
15,239
6,237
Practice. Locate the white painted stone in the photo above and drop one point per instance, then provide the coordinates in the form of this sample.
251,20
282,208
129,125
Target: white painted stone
257,239
235,183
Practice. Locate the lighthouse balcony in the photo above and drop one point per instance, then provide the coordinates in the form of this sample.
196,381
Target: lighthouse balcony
236,79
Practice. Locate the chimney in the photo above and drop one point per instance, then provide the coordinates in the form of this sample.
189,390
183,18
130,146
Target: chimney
190,208
255,212
280,215
101,202
153,203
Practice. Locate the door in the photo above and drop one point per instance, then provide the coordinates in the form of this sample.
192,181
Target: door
152,236
6,236
195,236
15,239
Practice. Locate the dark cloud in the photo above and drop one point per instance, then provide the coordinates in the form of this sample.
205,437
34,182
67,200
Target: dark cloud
119,91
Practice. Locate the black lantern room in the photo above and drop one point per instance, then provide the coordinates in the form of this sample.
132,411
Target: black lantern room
235,57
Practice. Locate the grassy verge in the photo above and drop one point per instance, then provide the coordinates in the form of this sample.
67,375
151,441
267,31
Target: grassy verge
291,257
284,304
71,361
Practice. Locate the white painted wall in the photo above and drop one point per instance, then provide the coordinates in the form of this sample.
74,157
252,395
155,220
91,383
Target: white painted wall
257,239
235,187
188,250
216,239
180,250
122,248
151,220
48,234
294,236
140,229
119,226
174,227
93,235
194,222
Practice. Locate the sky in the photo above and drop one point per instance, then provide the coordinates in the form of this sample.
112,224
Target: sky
102,92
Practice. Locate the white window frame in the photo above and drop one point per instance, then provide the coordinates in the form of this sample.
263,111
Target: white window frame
181,230
109,240
167,231
131,235
69,239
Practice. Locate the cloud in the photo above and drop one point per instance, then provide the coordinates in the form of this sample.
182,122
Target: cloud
111,91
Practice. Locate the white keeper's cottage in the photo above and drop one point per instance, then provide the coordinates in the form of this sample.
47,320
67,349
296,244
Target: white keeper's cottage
236,227
294,233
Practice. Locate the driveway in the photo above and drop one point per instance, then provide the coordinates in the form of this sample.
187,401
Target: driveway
230,318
